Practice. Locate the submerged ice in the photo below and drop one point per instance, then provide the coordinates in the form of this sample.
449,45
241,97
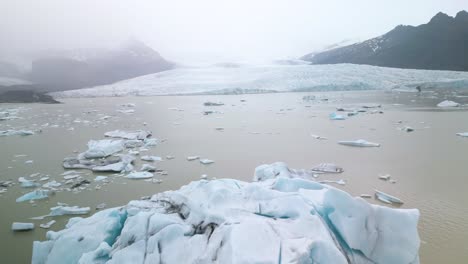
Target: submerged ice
280,218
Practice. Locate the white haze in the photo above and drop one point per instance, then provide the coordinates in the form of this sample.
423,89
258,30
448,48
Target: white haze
207,30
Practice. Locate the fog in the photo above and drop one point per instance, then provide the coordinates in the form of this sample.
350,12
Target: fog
207,30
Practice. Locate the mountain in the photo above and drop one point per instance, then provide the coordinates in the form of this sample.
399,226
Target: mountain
441,44
65,70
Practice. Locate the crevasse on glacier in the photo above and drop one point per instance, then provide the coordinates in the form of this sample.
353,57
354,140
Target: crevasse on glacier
282,217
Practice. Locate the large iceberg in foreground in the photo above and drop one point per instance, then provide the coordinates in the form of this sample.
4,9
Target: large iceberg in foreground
279,219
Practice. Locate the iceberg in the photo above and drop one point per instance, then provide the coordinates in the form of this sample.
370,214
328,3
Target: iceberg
279,219
34,195
448,103
132,135
140,175
17,226
359,143
103,148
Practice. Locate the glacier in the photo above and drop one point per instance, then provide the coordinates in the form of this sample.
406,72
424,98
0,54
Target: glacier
281,217
275,78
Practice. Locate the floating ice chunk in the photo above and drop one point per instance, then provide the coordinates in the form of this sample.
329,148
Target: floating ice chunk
387,198
371,106
101,206
128,105
169,157
100,178
463,134
68,210
327,168
132,135
16,133
27,183
151,158
203,176
103,148
124,165
359,143
213,103
147,167
34,195
318,137
335,116
133,143
52,184
48,224
340,182
140,175
408,129
17,226
151,142
385,177
69,177
191,158
3,191
29,162
206,161
126,111
448,103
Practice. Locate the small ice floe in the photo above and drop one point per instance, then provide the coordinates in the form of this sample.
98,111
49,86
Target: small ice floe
408,129
68,210
203,176
169,157
48,224
17,226
213,103
364,195
140,175
34,195
100,178
335,116
133,143
101,206
151,142
151,158
385,177
27,183
133,135
340,182
358,143
103,148
71,176
126,111
16,133
463,134
3,191
52,184
191,158
29,162
371,106
327,168
448,103
387,198
128,105
44,178
206,161
147,167
318,137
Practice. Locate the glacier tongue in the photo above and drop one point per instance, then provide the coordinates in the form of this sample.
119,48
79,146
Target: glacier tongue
275,78
281,218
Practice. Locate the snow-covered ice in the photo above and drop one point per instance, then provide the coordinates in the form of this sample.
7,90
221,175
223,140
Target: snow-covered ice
282,218
358,143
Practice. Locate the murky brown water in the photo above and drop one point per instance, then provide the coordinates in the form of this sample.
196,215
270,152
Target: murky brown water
429,164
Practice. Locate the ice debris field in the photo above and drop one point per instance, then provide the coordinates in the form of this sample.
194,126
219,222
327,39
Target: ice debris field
275,78
281,217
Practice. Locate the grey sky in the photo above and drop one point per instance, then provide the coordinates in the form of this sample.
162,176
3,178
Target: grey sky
197,30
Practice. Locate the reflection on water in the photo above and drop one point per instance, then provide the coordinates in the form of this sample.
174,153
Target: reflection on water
429,164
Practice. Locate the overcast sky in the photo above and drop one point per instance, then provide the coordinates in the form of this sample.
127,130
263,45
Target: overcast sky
216,30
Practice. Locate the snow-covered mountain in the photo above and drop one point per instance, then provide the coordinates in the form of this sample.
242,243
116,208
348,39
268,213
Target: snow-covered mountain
274,78
440,44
